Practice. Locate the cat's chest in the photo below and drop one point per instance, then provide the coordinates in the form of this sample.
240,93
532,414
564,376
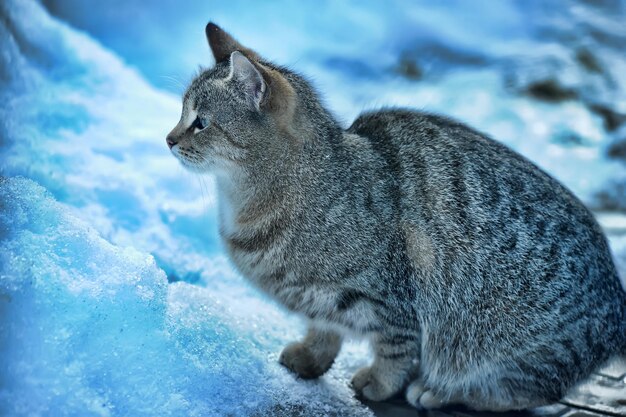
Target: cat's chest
255,258
347,310
259,245
267,254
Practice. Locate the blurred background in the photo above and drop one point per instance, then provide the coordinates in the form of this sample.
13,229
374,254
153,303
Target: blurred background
115,295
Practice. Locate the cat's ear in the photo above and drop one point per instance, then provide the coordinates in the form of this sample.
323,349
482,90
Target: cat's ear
223,45
249,78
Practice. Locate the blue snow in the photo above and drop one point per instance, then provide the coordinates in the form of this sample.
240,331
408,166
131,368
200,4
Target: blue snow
116,298
93,329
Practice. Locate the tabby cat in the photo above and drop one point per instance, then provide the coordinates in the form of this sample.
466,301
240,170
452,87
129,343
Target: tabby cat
477,277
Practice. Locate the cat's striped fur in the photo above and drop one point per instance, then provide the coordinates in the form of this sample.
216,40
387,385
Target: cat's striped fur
477,277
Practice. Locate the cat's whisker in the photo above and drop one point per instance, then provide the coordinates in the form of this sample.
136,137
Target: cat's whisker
175,82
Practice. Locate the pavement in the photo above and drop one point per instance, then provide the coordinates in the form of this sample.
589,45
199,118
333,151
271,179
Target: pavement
602,394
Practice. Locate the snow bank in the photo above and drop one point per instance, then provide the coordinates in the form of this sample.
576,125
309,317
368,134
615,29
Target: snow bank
91,130
91,329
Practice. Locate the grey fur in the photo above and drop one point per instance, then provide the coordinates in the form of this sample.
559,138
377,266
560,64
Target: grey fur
478,278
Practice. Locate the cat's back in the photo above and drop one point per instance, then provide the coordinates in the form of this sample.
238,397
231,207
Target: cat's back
444,166
452,163
507,231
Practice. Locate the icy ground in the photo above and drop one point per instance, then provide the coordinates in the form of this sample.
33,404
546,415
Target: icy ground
115,296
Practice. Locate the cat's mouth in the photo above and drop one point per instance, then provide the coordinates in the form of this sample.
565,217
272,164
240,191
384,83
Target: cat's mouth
189,158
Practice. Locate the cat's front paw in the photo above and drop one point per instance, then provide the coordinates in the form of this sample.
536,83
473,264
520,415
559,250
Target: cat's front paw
372,385
421,397
299,359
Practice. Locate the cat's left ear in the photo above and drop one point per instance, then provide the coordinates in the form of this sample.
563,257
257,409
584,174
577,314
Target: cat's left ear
249,78
223,44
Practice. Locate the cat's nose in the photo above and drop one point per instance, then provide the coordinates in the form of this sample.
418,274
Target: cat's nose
171,140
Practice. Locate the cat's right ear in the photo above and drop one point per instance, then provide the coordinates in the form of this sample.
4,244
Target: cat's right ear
249,78
223,45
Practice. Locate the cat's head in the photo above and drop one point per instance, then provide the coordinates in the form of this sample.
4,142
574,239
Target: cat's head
234,111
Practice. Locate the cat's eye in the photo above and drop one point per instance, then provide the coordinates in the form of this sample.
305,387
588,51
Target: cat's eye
198,124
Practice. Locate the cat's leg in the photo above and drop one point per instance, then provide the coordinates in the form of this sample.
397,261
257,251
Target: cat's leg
491,392
314,355
395,363
500,390
508,400
508,393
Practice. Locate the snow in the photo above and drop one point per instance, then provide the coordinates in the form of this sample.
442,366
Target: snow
93,329
115,296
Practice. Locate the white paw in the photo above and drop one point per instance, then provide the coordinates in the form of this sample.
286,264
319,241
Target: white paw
299,359
420,397
367,383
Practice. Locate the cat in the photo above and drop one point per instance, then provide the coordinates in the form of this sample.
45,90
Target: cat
478,278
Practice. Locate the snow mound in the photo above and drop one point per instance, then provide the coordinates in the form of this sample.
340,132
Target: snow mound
91,130
91,329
